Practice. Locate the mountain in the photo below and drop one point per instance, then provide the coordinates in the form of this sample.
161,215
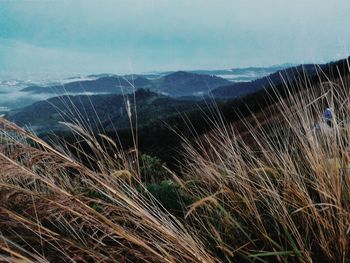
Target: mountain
239,89
151,105
106,84
107,111
244,74
175,84
17,93
183,83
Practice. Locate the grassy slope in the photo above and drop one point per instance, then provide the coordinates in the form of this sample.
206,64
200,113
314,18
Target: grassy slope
281,196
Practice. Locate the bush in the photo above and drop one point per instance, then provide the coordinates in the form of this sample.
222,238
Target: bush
170,196
152,169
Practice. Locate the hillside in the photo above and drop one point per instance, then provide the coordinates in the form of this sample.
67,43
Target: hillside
96,111
243,88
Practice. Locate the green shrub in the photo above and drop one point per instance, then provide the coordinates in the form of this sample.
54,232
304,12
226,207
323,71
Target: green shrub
152,169
170,196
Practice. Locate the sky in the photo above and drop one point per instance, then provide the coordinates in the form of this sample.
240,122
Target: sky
68,37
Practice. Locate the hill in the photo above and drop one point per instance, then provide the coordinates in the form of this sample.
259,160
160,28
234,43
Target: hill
183,83
239,89
98,111
105,84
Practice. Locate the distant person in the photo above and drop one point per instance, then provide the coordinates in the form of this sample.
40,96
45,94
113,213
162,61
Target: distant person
328,116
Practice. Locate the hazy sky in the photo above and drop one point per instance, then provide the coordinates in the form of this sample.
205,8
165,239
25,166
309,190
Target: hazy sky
70,37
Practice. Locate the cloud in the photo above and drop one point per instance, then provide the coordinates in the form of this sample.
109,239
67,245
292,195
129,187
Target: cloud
17,56
130,36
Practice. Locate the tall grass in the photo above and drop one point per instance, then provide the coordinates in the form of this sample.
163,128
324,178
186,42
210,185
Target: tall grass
280,189
269,188
55,208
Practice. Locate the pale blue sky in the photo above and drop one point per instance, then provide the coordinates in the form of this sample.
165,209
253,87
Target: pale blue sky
85,36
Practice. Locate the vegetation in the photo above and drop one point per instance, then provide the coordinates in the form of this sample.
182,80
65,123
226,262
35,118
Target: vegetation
152,168
53,208
271,187
280,192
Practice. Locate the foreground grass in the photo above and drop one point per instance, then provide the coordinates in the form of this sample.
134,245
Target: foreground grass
54,208
279,192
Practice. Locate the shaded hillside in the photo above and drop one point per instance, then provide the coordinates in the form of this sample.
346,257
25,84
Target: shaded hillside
239,89
183,83
98,111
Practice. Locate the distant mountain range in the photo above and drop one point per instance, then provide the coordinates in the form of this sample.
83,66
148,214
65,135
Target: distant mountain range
158,98
16,93
233,74
244,74
175,84
201,83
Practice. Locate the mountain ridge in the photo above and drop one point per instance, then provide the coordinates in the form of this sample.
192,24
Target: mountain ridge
175,84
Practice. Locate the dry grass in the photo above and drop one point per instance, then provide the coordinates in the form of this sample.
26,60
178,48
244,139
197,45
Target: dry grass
277,190
281,190
55,208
